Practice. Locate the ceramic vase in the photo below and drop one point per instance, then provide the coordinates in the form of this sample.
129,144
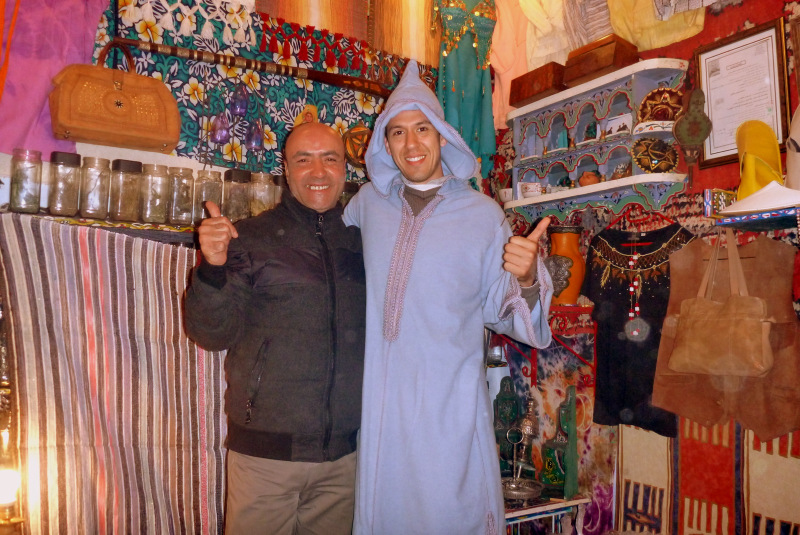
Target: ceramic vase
566,264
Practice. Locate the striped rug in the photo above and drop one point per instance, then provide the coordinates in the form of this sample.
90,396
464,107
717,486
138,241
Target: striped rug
121,424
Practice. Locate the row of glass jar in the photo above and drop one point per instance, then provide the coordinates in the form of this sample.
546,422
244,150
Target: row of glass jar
126,190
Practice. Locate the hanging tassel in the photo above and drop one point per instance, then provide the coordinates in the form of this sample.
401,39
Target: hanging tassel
227,35
309,30
263,46
317,52
343,61
187,28
208,30
303,54
167,23
295,27
287,49
147,11
330,59
356,62
273,44
239,35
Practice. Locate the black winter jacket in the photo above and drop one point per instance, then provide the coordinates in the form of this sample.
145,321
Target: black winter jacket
289,306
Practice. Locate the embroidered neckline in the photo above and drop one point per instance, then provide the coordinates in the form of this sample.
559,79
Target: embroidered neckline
644,261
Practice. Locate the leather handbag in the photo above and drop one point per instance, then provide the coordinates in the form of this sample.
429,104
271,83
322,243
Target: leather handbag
104,106
729,337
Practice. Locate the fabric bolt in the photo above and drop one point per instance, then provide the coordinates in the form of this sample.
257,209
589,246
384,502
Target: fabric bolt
636,22
465,83
120,415
626,362
298,498
69,39
767,404
427,456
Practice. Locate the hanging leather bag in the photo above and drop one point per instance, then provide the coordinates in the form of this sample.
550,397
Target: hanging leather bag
729,337
104,106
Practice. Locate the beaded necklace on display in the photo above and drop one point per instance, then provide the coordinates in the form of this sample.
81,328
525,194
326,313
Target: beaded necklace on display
635,325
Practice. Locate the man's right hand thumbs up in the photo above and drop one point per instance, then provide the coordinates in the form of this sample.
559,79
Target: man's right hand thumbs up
214,234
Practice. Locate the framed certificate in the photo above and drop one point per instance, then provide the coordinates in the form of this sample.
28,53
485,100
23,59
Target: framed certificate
743,77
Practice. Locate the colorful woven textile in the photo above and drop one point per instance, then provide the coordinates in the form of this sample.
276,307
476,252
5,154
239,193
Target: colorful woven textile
120,416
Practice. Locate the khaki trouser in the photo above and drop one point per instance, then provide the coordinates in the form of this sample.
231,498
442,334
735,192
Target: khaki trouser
272,497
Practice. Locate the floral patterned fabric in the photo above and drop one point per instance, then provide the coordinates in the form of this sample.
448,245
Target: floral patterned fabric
204,91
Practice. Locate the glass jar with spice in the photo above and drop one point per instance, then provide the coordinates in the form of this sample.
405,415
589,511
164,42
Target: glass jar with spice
65,183
123,202
95,182
26,180
181,203
154,194
236,195
262,193
207,187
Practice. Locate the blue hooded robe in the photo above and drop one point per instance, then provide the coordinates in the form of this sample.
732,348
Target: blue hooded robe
427,460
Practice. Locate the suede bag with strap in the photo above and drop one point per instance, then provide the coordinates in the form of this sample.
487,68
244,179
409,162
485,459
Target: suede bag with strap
729,337
95,104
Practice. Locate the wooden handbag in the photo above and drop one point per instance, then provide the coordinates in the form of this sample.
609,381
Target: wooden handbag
104,106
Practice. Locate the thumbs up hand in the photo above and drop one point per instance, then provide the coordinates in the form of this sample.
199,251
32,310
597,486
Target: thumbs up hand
519,254
214,234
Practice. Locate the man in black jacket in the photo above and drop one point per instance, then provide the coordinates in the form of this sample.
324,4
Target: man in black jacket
284,293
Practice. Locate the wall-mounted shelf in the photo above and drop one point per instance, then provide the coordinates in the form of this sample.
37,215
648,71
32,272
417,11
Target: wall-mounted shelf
595,127
650,190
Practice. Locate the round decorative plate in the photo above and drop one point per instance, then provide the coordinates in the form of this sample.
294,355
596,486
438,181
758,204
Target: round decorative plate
356,140
662,104
654,155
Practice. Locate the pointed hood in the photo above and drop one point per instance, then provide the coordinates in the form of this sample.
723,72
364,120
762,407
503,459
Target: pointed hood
412,94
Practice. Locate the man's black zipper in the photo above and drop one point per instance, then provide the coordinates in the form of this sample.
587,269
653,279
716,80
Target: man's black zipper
326,261
255,381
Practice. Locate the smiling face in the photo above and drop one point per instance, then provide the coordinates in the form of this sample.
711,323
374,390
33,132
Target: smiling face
415,146
315,165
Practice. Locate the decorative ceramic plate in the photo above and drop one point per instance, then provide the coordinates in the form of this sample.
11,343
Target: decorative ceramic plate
356,140
654,155
662,104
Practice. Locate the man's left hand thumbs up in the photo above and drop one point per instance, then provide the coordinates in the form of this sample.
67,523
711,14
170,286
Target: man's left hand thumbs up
519,254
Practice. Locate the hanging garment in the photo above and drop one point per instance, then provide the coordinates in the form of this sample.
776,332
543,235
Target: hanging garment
547,37
427,457
586,21
636,22
465,84
507,40
628,322
667,8
769,404
47,36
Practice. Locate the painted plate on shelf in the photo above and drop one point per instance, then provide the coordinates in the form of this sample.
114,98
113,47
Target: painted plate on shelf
662,104
654,155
